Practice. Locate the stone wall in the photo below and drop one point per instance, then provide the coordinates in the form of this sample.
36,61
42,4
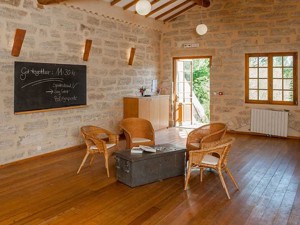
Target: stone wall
57,34
235,27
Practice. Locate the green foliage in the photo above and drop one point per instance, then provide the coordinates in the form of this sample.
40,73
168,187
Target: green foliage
201,88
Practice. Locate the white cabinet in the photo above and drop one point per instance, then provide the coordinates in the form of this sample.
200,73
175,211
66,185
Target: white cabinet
155,109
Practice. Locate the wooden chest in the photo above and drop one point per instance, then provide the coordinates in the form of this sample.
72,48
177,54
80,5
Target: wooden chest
134,169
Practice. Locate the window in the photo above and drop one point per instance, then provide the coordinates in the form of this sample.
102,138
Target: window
271,78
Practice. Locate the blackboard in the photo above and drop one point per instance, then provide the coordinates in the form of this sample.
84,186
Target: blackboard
40,86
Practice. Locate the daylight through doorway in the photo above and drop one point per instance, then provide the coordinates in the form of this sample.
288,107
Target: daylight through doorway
191,91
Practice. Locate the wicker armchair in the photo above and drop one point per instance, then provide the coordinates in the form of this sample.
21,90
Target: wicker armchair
138,131
205,158
98,140
206,133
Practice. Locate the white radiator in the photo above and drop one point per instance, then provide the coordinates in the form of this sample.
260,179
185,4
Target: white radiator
270,122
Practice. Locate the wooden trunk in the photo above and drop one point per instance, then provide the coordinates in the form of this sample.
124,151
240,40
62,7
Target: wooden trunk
134,169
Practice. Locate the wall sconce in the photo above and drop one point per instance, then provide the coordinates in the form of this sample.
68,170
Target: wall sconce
18,41
132,51
87,48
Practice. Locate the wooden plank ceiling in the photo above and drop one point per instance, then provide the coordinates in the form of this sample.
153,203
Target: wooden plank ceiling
164,10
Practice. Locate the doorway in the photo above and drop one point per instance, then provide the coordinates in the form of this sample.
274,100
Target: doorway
191,91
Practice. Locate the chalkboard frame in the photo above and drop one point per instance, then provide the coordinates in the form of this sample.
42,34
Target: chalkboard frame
40,87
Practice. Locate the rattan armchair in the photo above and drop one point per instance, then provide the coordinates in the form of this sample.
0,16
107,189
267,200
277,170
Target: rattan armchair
137,132
204,134
205,158
98,140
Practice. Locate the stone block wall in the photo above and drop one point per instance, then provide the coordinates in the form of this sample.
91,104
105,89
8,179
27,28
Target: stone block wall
57,34
235,27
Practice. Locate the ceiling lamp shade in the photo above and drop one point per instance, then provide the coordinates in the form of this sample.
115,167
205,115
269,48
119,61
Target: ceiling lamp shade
143,7
201,29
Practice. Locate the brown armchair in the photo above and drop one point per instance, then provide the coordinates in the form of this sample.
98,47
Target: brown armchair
98,140
138,131
213,157
204,134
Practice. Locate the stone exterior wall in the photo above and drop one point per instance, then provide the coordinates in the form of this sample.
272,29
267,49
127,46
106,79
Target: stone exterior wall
57,34
235,27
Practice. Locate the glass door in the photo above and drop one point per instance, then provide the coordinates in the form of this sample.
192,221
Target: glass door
191,91
183,92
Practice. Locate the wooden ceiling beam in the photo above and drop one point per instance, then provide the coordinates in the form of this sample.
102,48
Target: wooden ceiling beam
154,2
178,13
130,4
173,9
160,7
114,2
47,2
204,3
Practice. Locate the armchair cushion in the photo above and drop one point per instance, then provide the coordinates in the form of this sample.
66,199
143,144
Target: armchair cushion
197,145
108,146
139,140
209,159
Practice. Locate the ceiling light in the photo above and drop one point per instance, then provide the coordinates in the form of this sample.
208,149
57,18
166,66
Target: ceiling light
143,7
201,29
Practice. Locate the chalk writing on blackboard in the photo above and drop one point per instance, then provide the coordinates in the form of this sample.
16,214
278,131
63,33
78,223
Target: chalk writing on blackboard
44,86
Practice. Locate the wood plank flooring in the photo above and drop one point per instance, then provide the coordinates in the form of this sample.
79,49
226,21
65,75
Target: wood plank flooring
48,190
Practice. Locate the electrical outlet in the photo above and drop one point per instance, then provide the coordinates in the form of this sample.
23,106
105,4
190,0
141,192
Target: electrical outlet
38,148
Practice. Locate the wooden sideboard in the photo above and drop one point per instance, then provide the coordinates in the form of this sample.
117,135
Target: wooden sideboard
154,108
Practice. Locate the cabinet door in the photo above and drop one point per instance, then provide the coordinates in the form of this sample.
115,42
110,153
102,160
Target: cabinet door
130,107
144,108
149,110
154,113
164,112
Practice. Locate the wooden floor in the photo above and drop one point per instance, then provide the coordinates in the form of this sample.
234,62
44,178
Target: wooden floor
48,190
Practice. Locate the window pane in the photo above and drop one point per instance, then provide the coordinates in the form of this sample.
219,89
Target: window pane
180,76
253,73
277,73
277,84
271,78
263,72
263,95
187,76
187,100
277,95
288,72
263,61
287,60
253,84
263,84
253,94
288,84
180,98
179,87
187,88
187,94
253,61
288,96
277,61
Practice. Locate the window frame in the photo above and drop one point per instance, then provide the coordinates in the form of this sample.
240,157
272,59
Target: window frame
270,78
